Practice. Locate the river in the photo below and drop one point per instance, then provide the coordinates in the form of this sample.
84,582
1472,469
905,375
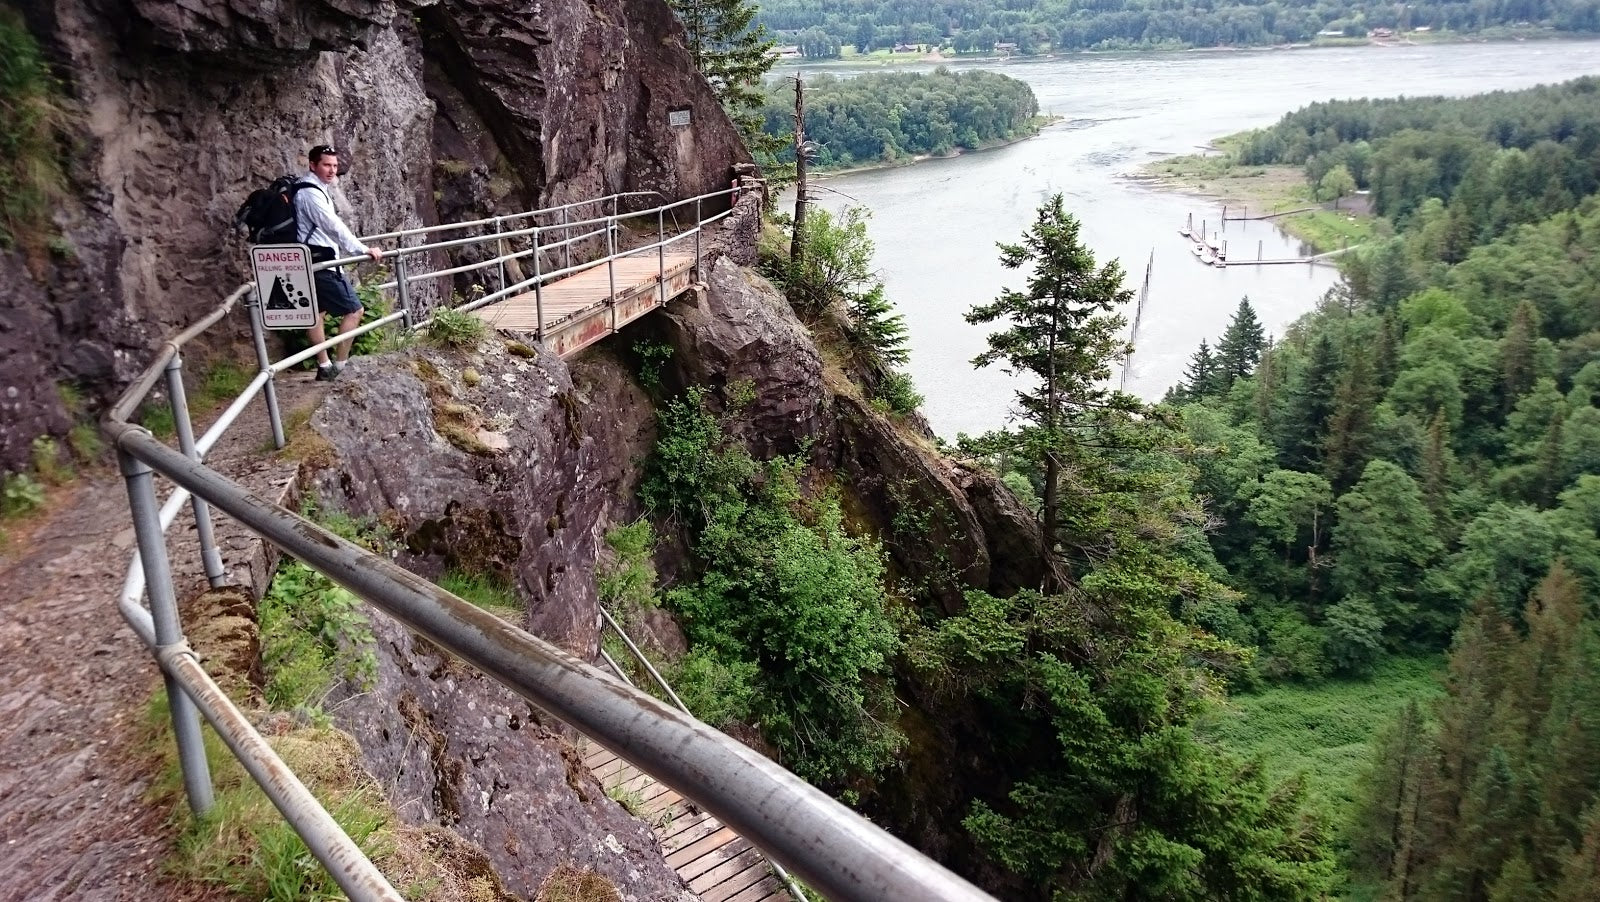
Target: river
936,223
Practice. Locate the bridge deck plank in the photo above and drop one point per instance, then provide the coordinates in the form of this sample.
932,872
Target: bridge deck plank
566,299
714,861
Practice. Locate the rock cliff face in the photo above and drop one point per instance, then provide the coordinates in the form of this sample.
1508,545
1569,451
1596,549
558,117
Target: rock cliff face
507,460
173,112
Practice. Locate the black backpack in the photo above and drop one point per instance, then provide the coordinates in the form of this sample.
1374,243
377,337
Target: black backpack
268,213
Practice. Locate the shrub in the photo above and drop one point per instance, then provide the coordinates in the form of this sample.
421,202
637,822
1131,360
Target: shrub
899,393
629,582
788,618
454,329
20,494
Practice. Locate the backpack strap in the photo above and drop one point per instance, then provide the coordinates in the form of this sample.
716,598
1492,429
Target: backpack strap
294,193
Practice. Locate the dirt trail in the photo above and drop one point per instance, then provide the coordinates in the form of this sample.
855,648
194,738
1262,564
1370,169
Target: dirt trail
75,820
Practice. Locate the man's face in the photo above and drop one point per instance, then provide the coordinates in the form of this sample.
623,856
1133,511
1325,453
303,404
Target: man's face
326,168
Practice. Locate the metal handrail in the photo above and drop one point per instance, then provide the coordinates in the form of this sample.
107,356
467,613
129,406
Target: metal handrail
831,847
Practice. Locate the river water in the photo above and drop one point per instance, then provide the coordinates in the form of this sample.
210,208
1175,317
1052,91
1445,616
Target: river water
936,223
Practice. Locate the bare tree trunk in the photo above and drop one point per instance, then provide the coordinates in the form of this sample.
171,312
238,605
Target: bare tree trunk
1052,476
797,242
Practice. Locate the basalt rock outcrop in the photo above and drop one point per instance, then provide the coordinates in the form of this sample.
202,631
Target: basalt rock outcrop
507,460
172,112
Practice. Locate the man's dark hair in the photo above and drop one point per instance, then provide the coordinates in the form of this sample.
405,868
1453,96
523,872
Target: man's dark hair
320,151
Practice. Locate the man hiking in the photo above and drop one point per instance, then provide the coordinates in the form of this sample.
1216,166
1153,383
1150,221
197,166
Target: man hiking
321,228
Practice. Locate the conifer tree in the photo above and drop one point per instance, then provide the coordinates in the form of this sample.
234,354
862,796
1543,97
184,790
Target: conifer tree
1517,371
1437,462
1550,468
1580,874
1384,825
1062,335
1240,348
1345,447
1304,423
734,53
1200,378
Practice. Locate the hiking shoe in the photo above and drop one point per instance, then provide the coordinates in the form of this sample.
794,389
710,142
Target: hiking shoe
327,373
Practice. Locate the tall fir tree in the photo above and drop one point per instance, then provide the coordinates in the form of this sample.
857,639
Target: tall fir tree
1438,463
1200,378
1304,423
1517,349
1062,334
734,52
1347,445
1241,345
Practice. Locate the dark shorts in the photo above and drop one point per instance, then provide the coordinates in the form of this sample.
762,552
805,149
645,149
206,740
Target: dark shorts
334,294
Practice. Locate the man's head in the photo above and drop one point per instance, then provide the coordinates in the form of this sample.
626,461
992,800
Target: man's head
324,163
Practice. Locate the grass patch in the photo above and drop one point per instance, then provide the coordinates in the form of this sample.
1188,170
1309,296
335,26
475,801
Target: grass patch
630,799
486,591
570,883
454,329
243,844
1323,731
1330,230
31,176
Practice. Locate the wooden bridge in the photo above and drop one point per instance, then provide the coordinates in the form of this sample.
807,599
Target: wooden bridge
717,864
572,313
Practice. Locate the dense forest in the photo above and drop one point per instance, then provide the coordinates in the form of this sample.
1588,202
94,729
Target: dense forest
961,26
1415,468
887,116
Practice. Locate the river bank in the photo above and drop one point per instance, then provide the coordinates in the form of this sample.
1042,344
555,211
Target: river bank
936,57
1278,192
1040,123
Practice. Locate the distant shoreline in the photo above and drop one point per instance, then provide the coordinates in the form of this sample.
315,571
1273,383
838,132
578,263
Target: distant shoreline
1409,39
924,157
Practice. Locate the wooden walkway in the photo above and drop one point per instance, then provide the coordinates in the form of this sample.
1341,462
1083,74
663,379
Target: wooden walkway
717,864
581,309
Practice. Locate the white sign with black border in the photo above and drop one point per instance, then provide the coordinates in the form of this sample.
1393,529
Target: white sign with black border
284,285
677,118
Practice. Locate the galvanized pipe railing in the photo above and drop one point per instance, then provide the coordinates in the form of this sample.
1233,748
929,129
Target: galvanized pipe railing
835,850
841,854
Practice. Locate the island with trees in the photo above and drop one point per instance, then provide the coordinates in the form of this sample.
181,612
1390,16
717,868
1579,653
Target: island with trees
888,117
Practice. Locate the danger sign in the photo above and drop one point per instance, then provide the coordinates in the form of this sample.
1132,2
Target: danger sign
284,285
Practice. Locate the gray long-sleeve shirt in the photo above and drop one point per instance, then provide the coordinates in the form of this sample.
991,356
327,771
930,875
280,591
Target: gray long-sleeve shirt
319,223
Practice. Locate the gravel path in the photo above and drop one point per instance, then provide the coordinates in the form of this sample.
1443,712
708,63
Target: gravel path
75,822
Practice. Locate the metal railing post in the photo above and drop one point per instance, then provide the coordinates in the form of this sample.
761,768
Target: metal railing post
699,226
403,291
661,256
169,632
500,251
611,269
209,556
538,286
269,391
566,247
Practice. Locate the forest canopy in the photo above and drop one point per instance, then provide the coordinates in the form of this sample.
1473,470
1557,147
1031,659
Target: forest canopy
1413,469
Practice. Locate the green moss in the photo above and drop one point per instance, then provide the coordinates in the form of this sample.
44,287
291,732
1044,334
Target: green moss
31,179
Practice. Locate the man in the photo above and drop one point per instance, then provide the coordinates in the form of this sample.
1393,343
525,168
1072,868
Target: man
321,228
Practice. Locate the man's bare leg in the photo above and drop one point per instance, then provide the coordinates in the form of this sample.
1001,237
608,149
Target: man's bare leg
349,322
318,335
